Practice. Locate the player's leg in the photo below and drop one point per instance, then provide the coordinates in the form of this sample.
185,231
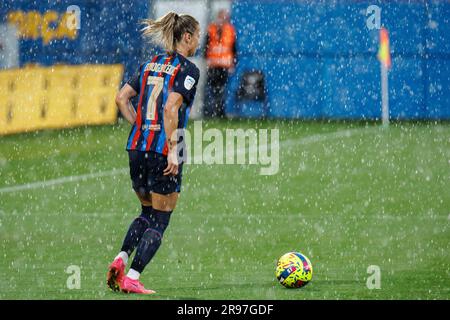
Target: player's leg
222,84
150,242
165,192
137,227
138,173
163,206
208,105
216,84
135,231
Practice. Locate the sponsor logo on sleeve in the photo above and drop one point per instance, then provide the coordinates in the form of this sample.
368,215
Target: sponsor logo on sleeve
189,82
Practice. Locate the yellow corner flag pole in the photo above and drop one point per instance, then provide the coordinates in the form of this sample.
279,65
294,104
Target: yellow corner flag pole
384,56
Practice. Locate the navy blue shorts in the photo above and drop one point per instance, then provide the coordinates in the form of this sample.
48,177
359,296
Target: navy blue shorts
146,171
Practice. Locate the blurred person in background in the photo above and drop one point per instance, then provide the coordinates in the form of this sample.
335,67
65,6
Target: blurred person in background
220,54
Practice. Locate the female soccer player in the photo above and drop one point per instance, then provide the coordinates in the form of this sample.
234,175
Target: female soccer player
166,85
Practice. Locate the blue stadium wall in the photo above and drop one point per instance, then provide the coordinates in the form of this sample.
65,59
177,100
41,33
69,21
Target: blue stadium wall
108,34
319,59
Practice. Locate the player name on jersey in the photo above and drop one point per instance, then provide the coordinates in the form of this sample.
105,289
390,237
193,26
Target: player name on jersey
159,67
151,127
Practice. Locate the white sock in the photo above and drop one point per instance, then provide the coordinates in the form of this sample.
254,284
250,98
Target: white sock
133,274
123,255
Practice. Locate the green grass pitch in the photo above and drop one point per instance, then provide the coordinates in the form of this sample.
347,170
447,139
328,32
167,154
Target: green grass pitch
373,197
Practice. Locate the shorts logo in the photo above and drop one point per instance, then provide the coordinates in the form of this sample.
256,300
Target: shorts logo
189,82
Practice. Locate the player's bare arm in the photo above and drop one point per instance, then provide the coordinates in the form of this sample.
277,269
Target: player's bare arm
171,108
124,104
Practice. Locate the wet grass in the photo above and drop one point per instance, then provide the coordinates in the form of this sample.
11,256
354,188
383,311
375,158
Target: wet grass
373,197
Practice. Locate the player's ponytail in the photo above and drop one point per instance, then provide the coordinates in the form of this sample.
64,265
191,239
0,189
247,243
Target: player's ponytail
168,30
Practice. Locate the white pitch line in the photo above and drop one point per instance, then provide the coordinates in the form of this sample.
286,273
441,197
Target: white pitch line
301,141
52,182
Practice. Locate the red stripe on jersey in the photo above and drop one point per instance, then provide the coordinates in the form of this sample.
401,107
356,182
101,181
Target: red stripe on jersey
154,121
165,150
172,78
139,108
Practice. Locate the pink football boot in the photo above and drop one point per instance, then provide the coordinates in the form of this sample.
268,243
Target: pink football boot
134,286
115,275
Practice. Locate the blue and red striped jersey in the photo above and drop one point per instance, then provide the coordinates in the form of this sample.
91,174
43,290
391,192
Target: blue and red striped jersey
154,80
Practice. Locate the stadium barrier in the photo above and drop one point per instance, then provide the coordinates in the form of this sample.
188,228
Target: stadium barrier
60,96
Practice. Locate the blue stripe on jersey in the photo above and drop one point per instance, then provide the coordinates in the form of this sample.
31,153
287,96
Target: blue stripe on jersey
188,110
162,135
130,139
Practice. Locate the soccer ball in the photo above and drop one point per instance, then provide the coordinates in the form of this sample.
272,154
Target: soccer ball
294,270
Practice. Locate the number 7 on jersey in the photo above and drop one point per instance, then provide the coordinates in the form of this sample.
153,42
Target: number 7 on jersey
158,83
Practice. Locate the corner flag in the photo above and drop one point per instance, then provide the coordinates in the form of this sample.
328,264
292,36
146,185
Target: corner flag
384,55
